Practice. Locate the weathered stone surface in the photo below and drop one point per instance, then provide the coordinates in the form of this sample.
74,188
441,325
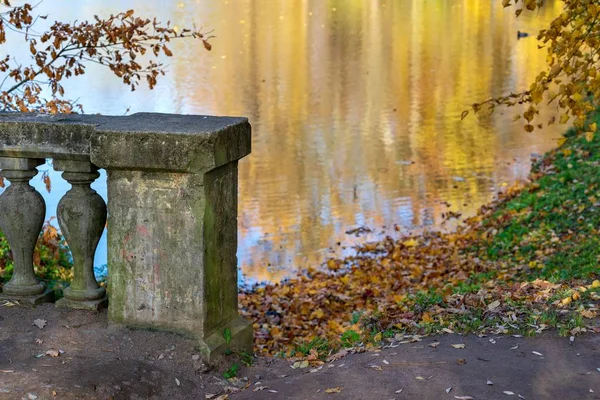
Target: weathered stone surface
172,213
143,141
92,305
176,265
47,296
163,142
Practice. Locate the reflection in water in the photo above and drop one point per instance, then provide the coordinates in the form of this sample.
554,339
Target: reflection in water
355,107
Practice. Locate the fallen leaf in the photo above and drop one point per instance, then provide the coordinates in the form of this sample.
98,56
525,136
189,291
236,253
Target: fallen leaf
589,314
209,396
300,364
410,243
448,390
53,353
508,393
419,378
489,382
459,346
514,347
398,391
386,362
336,389
537,353
493,305
177,382
461,361
40,323
434,344
375,367
464,397
338,355
39,341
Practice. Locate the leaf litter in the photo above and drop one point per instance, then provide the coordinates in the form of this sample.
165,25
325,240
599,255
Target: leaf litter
463,281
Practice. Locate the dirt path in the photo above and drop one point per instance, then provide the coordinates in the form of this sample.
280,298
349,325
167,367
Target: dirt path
416,371
96,361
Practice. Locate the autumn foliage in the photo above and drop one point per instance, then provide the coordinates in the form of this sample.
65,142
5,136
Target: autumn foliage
571,82
523,264
128,45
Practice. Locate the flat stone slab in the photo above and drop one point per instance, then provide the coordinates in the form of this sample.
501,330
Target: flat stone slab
142,141
93,305
46,297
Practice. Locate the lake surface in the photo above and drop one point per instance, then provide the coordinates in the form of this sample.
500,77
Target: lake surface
355,107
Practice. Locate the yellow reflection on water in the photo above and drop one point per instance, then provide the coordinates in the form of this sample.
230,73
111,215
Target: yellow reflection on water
355,107
356,112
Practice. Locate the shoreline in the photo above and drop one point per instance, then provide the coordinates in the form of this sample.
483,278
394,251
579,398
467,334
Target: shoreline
500,272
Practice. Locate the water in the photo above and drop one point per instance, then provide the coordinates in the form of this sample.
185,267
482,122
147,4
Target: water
355,108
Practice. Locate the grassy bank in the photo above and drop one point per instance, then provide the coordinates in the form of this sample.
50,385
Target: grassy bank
525,263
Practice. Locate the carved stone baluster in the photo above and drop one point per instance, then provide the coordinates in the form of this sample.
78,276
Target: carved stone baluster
82,217
22,212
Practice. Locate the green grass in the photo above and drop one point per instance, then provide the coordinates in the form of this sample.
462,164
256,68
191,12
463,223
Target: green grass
320,345
554,225
350,338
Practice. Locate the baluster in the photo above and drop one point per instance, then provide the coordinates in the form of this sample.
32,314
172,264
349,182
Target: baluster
22,212
81,217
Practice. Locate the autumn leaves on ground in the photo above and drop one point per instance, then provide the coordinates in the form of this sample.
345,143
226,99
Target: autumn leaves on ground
524,264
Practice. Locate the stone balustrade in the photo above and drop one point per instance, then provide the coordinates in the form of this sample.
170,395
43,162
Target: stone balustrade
171,209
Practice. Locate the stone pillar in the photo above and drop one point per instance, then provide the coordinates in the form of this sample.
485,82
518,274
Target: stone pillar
172,227
82,217
21,219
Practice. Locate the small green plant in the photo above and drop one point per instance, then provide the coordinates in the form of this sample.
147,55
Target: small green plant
321,345
246,358
227,337
424,300
356,317
350,338
232,371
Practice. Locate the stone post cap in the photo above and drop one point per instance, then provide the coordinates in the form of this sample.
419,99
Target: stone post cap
142,141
